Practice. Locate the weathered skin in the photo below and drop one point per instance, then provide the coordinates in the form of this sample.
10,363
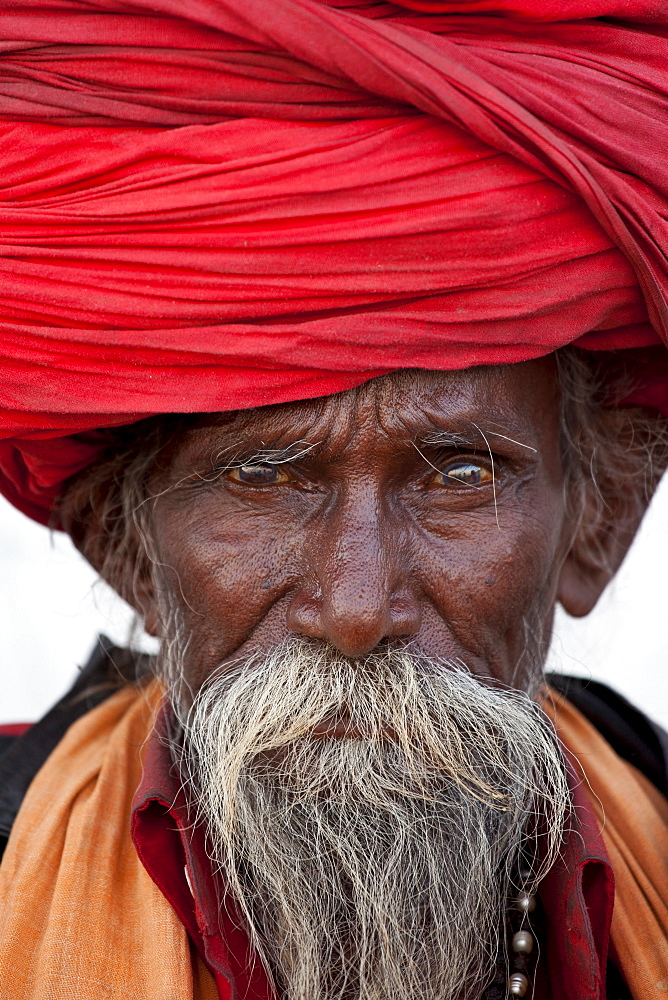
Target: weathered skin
362,540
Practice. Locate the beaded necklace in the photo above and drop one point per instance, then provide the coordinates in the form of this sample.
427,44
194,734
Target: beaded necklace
523,950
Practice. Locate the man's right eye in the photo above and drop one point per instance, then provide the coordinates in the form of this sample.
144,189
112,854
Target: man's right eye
260,474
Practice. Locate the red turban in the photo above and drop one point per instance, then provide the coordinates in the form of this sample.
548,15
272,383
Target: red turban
268,200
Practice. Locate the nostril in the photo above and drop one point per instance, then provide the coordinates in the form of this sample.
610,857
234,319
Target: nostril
405,616
305,616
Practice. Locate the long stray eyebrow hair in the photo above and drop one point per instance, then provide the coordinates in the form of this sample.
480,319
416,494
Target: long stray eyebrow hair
450,439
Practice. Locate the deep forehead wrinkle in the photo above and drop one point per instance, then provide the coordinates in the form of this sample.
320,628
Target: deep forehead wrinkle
315,424
458,409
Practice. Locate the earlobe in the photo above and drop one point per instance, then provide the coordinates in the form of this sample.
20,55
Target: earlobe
151,623
139,594
580,585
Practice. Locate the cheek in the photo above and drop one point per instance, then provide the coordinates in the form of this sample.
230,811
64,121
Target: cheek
487,582
224,571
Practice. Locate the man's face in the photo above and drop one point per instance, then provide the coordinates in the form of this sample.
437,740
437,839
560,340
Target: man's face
424,506
369,800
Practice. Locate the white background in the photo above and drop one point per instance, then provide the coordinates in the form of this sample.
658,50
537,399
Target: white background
52,607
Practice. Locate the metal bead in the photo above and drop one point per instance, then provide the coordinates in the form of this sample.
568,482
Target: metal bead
523,943
525,903
518,984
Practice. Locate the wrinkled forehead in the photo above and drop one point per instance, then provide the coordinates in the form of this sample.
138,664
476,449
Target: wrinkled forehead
521,400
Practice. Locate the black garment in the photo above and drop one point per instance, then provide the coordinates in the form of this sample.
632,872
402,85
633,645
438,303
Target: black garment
631,734
21,757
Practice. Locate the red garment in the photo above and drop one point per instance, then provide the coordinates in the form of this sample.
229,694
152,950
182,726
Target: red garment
172,849
265,202
577,894
13,729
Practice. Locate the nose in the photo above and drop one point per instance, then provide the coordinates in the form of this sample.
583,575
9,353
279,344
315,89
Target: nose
357,588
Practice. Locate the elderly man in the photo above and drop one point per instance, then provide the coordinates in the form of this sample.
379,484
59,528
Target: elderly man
334,338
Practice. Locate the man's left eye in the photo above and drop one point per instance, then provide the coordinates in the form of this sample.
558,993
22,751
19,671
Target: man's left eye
461,474
260,474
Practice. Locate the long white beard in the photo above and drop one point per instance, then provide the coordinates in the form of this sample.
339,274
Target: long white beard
376,865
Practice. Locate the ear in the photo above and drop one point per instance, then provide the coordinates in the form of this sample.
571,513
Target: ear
121,562
597,551
614,500
129,573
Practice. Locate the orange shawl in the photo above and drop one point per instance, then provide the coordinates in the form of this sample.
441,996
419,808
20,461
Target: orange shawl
80,919
633,819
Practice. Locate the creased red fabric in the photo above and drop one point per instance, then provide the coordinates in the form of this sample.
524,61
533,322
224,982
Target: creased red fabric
260,202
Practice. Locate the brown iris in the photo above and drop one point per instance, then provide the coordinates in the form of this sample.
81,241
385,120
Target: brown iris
462,474
258,474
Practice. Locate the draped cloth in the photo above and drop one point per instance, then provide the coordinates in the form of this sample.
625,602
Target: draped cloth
633,818
224,205
80,917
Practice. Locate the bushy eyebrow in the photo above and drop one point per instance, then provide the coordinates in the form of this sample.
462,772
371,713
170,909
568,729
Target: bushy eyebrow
451,439
236,454
448,439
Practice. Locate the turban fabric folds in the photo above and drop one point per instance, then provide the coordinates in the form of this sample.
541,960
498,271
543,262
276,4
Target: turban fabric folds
268,201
